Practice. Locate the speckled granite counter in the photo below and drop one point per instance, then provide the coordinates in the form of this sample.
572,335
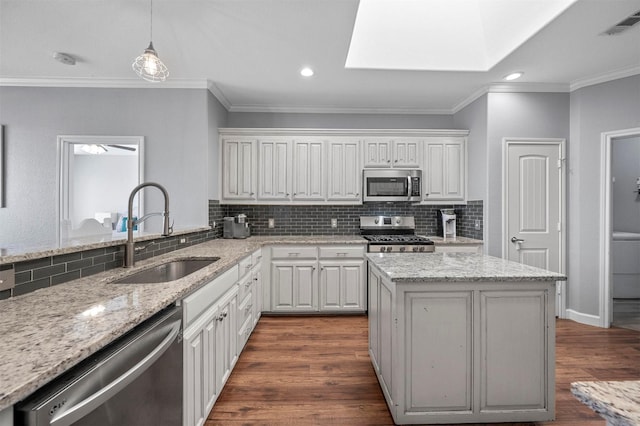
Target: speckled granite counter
617,402
22,253
456,267
454,241
46,332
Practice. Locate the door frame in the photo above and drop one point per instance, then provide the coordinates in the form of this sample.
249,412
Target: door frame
606,210
561,290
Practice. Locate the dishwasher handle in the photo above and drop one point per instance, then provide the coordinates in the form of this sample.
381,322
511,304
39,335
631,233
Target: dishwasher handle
87,405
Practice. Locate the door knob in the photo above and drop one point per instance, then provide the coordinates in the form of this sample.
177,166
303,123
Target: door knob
517,240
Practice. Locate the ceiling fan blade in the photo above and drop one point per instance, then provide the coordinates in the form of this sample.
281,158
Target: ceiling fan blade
128,148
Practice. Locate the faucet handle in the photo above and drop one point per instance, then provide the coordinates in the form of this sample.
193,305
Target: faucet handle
171,227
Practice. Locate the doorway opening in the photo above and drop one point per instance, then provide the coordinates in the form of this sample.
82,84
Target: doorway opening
95,177
620,229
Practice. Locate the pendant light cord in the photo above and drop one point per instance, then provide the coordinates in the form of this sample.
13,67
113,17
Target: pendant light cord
151,26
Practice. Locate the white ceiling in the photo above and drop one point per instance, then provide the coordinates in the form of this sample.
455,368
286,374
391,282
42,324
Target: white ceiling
249,53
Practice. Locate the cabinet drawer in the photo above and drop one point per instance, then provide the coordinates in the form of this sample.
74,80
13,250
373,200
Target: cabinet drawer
244,286
245,332
245,308
197,302
342,252
294,252
256,257
244,266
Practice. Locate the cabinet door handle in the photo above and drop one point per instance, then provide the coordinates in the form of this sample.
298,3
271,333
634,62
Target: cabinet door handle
341,254
294,254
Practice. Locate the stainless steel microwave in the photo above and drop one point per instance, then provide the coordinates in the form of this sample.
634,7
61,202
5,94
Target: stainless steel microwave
391,184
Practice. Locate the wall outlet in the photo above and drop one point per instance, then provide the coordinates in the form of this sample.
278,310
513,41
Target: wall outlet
272,222
183,240
477,225
334,223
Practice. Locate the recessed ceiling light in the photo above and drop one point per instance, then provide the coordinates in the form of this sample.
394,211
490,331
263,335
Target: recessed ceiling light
513,76
306,72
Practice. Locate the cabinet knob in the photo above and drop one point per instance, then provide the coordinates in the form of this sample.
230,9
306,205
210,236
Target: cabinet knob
251,193
395,161
388,161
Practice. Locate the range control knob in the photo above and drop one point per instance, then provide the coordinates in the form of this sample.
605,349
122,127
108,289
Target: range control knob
402,249
376,221
398,221
421,248
389,248
382,249
415,248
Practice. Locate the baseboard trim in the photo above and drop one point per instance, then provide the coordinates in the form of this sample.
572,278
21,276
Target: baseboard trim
587,319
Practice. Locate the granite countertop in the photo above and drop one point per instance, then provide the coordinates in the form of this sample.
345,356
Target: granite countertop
456,267
454,241
22,253
46,332
617,402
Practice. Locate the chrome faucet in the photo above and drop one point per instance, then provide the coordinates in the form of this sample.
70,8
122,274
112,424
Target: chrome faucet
129,248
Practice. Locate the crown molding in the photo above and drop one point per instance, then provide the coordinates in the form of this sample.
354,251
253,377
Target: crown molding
218,94
124,83
512,88
339,132
335,110
603,78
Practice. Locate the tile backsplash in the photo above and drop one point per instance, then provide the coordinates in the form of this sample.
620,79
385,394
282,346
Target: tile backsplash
316,219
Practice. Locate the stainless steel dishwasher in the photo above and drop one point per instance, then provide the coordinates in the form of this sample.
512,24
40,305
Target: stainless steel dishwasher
137,381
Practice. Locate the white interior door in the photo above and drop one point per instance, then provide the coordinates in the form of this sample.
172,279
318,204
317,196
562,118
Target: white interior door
534,205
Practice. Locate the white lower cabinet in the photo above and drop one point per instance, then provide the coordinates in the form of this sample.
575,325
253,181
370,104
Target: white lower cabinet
461,352
210,351
312,279
218,319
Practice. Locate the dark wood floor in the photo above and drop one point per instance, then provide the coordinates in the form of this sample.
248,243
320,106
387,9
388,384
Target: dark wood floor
316,371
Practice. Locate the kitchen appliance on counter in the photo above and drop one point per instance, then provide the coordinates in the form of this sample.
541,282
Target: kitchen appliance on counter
391,185
236,227
448,223
393,234
107,387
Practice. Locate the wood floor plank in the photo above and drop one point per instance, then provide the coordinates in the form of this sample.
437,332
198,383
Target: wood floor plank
314,370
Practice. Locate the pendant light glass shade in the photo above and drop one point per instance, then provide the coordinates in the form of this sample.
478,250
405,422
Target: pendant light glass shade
149,66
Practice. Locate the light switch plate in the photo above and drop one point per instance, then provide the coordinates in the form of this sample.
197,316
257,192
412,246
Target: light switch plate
272,223
334,223
7,279
477,225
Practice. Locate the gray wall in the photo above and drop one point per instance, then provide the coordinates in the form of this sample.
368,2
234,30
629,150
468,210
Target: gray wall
174,123
340,121
217,117
528,115
614,105
474,118
625,168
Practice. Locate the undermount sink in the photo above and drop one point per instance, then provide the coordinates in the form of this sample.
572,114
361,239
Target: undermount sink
168,271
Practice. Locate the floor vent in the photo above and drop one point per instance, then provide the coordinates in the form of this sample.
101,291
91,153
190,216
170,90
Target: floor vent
624,25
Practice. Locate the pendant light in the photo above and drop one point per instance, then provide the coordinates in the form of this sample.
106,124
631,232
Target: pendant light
148,65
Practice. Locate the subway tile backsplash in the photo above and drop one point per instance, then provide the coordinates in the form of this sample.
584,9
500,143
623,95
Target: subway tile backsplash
289,220
316,219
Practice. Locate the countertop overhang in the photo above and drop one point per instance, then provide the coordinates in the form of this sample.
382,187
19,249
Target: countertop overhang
456,267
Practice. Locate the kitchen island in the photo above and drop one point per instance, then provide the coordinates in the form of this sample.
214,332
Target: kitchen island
462,337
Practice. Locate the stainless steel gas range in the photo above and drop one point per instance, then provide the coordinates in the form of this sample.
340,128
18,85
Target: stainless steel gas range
393,234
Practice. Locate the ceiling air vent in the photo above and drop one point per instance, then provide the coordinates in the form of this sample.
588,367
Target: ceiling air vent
624,25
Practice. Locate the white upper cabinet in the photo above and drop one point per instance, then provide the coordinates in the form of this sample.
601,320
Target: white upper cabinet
239,165
274,170
316,166
344,173
444,176
309,170
401,152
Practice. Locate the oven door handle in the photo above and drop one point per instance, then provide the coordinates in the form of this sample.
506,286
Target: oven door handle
87,405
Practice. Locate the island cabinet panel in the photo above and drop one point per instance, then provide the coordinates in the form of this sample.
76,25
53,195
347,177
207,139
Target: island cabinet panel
505,318
439,352
463,351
